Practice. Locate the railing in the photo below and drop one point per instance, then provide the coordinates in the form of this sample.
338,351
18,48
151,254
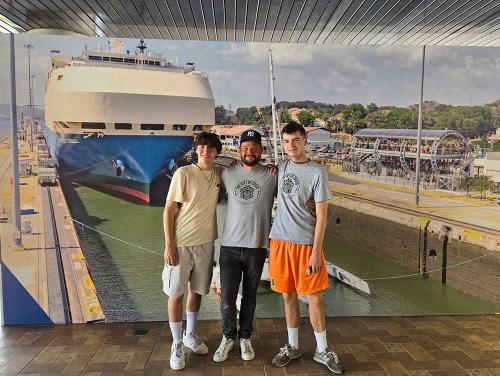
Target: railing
395,180
78,61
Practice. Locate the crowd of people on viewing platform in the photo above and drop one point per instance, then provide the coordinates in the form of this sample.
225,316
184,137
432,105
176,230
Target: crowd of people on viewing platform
444,148
389,145
390,166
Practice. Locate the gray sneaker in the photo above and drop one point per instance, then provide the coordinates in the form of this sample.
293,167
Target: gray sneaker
329,359
285,355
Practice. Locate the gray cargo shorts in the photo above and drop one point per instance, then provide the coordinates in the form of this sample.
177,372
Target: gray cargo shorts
194,267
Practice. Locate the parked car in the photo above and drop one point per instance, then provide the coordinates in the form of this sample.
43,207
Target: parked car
47,175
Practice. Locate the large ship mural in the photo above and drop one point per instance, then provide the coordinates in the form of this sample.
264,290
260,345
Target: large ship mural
119,120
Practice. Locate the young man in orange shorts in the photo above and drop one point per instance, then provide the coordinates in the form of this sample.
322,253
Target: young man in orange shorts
296,260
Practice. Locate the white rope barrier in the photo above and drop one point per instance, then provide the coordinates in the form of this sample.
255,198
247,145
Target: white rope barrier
365,279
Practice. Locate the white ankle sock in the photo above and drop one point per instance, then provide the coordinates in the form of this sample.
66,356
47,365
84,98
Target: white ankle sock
191,318
321,341
176,329
293,337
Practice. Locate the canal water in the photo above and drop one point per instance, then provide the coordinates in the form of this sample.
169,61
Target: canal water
128,280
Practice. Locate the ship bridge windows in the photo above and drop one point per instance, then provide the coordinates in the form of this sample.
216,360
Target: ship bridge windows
152,127
61,124
117,59
198,128
123,126
90,125
97,58
127,60
150,62
105,58
179,127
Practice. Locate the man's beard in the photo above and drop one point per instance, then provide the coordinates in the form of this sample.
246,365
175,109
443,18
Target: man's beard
250,163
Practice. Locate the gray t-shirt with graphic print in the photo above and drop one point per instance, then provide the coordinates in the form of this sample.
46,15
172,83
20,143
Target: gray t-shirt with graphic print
297,183
249,204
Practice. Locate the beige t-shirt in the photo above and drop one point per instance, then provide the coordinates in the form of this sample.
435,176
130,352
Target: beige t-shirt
197,190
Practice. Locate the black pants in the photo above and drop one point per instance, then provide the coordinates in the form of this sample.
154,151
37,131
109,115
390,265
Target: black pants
234,262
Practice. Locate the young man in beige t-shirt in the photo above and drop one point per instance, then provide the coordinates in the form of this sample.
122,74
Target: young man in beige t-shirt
190,227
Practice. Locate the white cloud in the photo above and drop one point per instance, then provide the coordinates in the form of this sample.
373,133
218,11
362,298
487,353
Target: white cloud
255,53
348,65
468,75
239,89
398,56
343,74
295,55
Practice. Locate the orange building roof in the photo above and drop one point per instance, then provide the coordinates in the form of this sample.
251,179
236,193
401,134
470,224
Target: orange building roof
310,129
294,110
231,130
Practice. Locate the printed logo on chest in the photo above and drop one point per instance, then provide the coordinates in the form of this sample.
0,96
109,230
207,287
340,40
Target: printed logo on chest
247,192
290,185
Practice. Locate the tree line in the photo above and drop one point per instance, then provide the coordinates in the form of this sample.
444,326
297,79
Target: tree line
471,121
480,183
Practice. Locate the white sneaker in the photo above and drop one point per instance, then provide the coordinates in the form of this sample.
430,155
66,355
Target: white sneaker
177,356
246,348
222,352
193,342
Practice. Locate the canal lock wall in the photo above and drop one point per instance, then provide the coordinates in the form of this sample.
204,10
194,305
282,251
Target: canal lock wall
420,244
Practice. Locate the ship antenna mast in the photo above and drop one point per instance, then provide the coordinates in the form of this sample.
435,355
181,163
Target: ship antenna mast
142,47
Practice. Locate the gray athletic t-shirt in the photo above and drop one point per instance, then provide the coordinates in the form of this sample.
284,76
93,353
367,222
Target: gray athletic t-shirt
297,183
249,204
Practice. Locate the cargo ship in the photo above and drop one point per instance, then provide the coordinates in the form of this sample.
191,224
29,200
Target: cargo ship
118,119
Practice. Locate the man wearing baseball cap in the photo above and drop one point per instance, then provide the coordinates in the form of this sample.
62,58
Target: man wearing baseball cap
250,188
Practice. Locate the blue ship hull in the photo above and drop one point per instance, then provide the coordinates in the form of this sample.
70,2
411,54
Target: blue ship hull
94,159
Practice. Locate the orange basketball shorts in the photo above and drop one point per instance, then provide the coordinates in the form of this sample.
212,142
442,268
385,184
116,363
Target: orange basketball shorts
288,263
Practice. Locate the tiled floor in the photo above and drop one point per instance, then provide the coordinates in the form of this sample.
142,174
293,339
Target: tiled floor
437,345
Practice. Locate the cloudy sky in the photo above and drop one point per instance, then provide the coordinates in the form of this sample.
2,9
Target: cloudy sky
238,72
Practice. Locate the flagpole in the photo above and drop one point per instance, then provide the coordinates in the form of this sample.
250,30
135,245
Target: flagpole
419,131
273,109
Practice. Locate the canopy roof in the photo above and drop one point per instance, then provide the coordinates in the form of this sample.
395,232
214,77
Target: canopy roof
410,134
388,22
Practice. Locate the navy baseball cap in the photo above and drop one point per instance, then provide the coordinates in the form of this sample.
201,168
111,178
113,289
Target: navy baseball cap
251,135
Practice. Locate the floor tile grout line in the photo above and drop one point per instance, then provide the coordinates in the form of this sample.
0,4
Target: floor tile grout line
90,360
20,372
38,353
417,334
152,349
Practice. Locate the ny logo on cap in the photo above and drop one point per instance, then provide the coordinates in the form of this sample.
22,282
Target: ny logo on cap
250,134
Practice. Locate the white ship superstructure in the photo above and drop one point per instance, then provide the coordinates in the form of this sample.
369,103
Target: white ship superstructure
121,118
